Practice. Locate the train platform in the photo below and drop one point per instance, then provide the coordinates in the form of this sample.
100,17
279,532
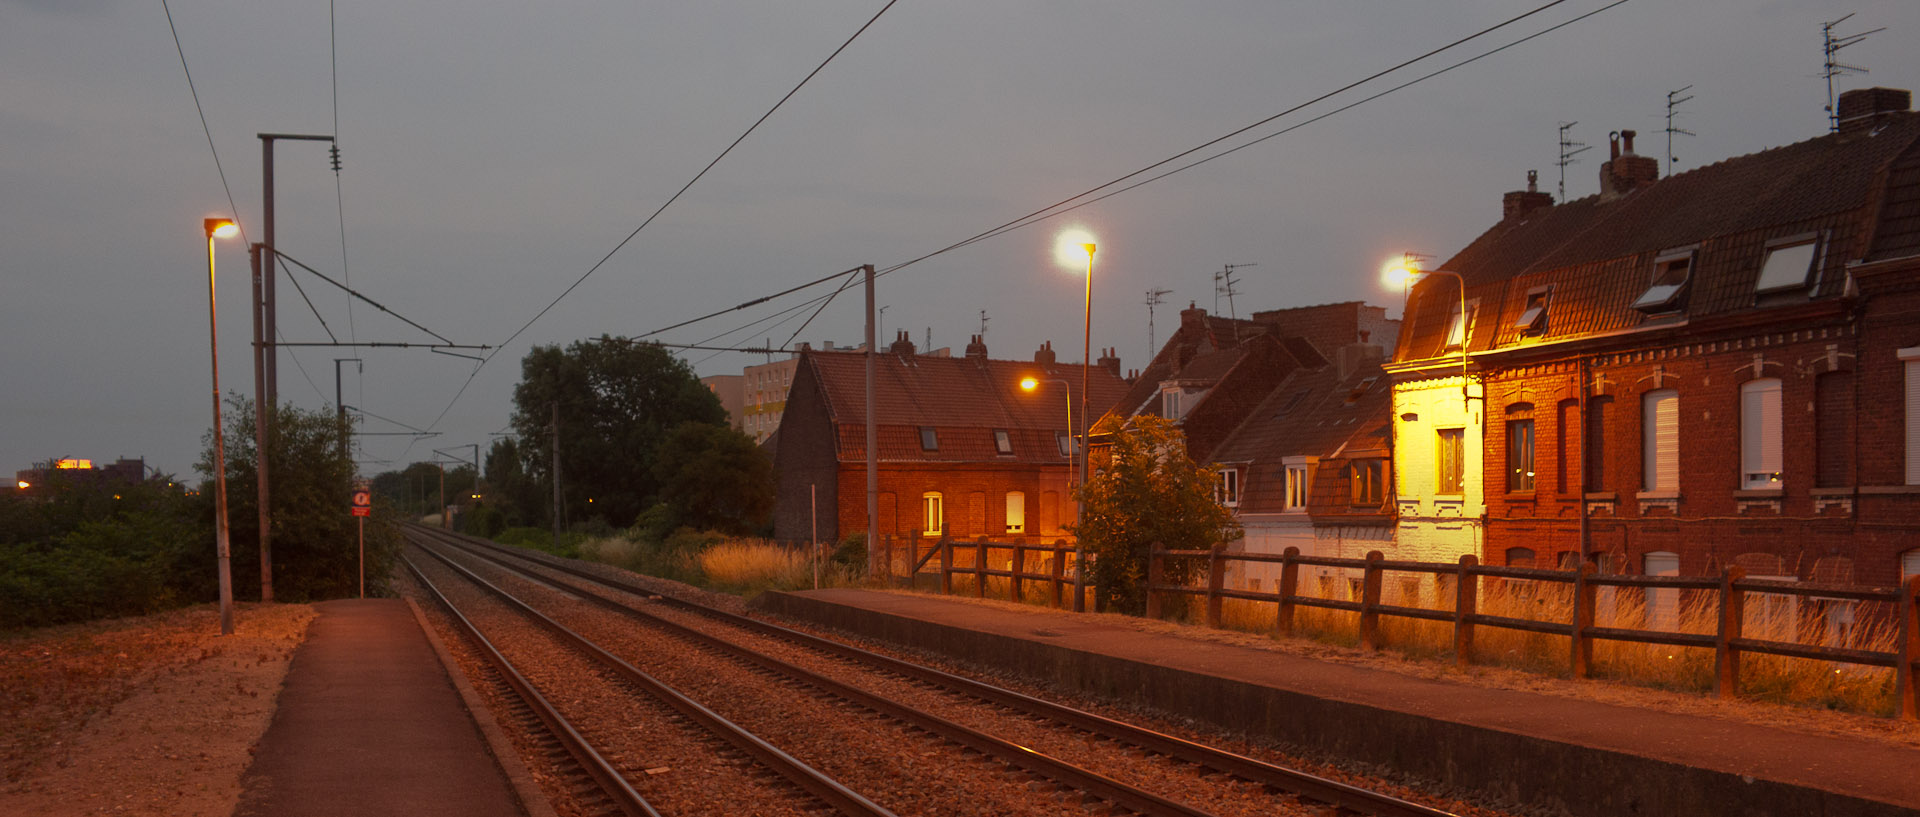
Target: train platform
1561,754
370,722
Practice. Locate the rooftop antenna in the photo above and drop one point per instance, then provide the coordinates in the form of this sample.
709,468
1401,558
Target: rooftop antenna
1568,150
1223,285
1839,69
1673,109
880,330
1153,300
983,324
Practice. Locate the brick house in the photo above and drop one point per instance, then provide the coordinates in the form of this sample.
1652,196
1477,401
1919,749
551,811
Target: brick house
963,450
1742,341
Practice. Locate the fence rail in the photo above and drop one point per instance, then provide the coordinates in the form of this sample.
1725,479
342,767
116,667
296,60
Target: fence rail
1728,642
1056,564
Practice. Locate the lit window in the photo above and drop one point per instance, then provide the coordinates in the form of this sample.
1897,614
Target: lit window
1520,455
1457,327
1670,274
1760,434
1660,440
1016,512
1228,491
1449,456
933,517
1170,403
1533,319
929,439
1786,268
1366,481
1298,487
1002,441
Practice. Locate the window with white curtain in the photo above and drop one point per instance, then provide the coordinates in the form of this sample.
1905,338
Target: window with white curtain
1016,512
933,518
1760,434
1660,440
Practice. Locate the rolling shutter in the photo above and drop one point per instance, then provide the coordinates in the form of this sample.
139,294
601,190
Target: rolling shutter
1660,436
1760,434
1913,422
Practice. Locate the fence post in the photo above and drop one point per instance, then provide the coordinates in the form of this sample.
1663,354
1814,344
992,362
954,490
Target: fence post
1906,687
913,558
1216,581
1726,656
1156,573
1466,604
1369,600
1583,600
1018,567
1056,565
946,566
1289,588
980,568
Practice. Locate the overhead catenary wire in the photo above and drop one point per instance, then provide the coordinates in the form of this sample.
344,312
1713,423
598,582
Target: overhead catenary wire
202,111
350,291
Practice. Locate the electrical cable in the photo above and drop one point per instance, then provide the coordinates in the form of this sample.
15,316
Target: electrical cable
309,301
235,208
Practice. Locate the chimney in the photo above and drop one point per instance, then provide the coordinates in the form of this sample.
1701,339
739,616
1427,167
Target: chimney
902,346
1109,360
1864,109
1521,203
1044,357
1352,356
1193,319
1626,171
977,348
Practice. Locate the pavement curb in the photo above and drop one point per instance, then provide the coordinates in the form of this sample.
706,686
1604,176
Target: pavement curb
533,801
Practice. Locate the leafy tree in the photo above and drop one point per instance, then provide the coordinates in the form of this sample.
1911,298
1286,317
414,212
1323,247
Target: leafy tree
78,550
1147,493
512,489
415,490
616,399
714,478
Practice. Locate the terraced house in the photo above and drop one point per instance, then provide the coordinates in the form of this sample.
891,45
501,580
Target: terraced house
1719,367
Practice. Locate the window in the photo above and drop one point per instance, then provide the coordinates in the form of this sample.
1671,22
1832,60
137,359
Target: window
1597,410
1449,455
1002,441
1520,447
929,439
1297,487
1170,403
1365,481
1566,453
1912,357
1660,440
1663,604
1833,430
1533,318
1459,325
1760,434
1669,284
1063,442
933,517
1228,491
1293,402
1786,268
1016,512
1520,557
1909,564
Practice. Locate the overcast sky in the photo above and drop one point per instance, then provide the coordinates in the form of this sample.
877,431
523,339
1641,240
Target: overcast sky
494,152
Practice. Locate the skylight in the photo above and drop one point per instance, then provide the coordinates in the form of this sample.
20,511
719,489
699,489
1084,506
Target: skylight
1533,319
1786,268
1670,275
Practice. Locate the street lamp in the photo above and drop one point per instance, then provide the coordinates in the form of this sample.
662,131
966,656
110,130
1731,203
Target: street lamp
1063,250
1405,273
219,228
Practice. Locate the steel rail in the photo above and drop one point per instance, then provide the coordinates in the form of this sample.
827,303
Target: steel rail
611,782
803,776
1300,783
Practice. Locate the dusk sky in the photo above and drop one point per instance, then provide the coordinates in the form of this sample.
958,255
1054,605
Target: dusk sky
493,153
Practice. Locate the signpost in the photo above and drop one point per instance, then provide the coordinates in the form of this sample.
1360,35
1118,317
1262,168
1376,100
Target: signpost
362,508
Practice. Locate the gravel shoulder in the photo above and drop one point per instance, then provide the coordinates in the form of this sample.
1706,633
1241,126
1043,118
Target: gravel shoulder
148,715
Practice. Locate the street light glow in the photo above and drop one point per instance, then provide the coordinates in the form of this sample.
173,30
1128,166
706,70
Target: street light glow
1026,383
1072,247
1397,273
221,228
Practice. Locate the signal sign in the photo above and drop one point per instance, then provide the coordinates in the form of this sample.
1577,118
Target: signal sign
362,502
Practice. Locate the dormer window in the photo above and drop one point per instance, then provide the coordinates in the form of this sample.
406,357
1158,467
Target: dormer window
1170,403
929,439
1787,267
1670,275
1533,319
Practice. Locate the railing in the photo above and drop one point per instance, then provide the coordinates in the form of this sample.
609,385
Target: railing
1056,564
1728,642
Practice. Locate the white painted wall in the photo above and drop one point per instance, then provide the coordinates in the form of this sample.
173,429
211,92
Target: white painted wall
1433,527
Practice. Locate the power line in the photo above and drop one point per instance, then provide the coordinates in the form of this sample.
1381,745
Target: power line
231,206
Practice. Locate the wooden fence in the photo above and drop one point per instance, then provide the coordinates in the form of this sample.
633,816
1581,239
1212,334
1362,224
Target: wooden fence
1728,642
914,553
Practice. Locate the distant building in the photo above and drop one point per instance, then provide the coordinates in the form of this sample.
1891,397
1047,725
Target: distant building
763,391
82,472
731,389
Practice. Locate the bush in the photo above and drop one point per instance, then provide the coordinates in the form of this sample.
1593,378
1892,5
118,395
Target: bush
851,553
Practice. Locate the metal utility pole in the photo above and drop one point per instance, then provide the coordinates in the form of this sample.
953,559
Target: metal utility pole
339,402
444,521
269,323
873,436
556,474
1673,109
264,493
1568,150
1839,69
1153,300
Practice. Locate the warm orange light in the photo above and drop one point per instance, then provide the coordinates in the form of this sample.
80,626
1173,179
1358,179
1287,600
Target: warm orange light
1397,273
221,228
24,485
1029,383
73,464
1073,249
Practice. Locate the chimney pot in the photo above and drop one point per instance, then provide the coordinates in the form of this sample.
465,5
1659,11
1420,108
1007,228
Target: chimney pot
1864,108
1626,137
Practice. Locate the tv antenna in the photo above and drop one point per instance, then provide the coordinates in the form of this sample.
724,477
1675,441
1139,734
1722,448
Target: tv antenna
1673,109
1568,150
1839,69
983,324
1153,300
1223,284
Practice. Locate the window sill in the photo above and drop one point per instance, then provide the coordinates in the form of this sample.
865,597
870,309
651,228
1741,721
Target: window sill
1601,496
1890,489
1758,493
1658,496
1831,492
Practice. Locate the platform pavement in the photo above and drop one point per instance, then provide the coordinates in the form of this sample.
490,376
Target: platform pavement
369,723
1570,755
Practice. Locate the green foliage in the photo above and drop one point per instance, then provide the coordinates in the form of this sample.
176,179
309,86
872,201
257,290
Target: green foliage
1147,493
541,539
78,552
714,478
851,553
654,524
415,490
484,521
616,399
511,489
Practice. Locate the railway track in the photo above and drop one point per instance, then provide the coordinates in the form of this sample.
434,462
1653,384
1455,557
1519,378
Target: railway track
1115,764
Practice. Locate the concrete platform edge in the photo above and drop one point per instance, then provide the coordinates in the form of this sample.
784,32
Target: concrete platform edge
1523,769
533,801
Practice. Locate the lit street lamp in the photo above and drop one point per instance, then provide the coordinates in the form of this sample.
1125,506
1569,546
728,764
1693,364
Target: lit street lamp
219,228
1064,250
1408,271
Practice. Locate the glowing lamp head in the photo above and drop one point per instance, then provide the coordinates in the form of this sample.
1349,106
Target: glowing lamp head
24,485
1026,383
1400,272
1073,249
221,228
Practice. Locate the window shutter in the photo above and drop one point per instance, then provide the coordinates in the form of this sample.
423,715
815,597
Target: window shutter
1661,437
1909,564
1913,422
1759,433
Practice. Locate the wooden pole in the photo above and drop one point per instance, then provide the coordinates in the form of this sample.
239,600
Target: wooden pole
1726,655
1289,589
1466,602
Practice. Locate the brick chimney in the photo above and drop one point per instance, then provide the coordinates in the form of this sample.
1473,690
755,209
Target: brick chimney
1863,109
1521,203
1193,319
976,348
902,345
1626,171
1109,360
1044,357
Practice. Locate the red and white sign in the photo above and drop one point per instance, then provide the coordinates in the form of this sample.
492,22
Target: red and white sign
362,502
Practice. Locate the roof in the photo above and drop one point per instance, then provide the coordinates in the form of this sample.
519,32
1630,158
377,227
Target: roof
1316,413
963,399
1856,192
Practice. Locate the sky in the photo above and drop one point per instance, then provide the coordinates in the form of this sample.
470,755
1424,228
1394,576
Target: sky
494,153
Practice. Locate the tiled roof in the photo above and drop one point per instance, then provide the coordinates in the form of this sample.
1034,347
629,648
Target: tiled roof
1313,412
962,399
1598,253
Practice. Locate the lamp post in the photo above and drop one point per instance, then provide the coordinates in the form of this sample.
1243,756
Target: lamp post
1079,502
1407,271
219,228
1064,250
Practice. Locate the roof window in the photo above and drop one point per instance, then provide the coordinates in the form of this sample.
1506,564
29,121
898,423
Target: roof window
1533,319
1787,267
1670,275
1002,441
929,439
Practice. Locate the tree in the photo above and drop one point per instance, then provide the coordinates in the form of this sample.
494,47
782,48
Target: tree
511,488
714,478
616,398
1147,493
